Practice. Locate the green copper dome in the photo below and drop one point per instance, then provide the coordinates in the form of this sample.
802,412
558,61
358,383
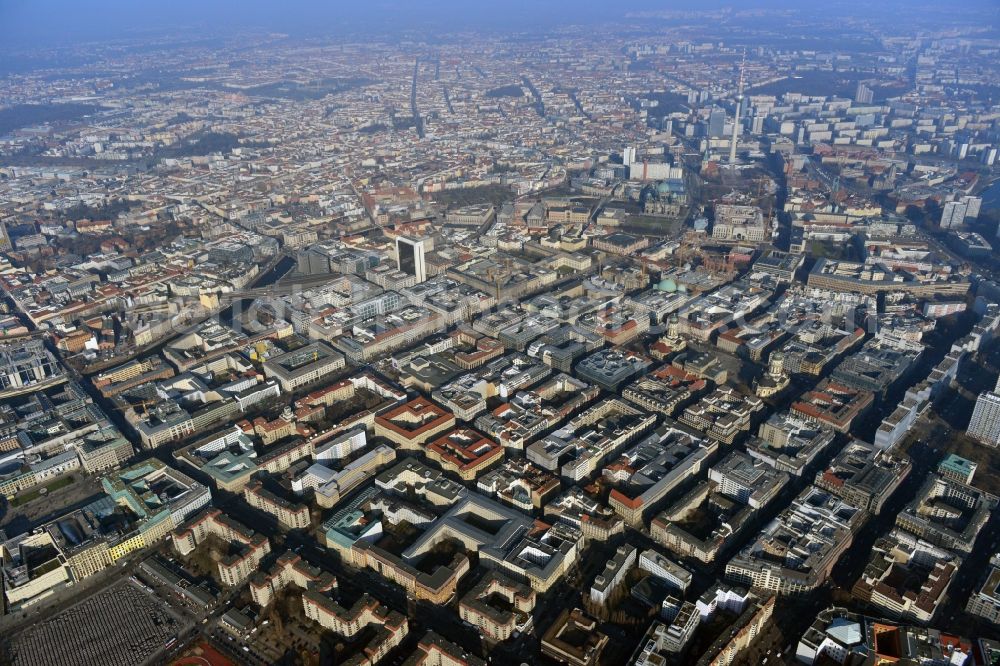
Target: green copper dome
667,285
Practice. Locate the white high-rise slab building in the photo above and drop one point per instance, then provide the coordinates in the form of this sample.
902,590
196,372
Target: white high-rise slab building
953,214
985,422
972,206
410,257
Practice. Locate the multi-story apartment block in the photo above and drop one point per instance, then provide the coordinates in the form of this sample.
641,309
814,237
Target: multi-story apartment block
665,569
646,473
574,639
132,488
906,583
665,391
520,484
248,547
796,551
104,449
330,485
833,405
985,600
303,366
579,448
289,569
610,368
386,628
112,382
290,515
465,453
498,621
434,650
613,574
748,481
947,513
723,414
863,476
789,442
413,424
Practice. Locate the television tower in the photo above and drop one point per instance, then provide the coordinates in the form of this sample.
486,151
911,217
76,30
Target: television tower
739,106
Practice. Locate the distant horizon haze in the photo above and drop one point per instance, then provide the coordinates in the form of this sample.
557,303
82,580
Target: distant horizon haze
53,23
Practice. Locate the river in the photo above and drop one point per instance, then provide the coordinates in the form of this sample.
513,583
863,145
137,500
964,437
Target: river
280,269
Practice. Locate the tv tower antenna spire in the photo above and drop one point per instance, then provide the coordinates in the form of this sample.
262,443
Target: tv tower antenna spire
739,106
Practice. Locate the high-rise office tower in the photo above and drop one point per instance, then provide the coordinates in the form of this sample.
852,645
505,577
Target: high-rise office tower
410,257
863,94
985,422
717,123
628,156
953,214
972,206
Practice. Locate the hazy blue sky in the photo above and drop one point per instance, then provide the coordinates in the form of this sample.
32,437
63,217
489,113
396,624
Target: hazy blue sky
48,22
75,19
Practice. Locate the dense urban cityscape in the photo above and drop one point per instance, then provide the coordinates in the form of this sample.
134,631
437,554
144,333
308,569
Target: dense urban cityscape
669,338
